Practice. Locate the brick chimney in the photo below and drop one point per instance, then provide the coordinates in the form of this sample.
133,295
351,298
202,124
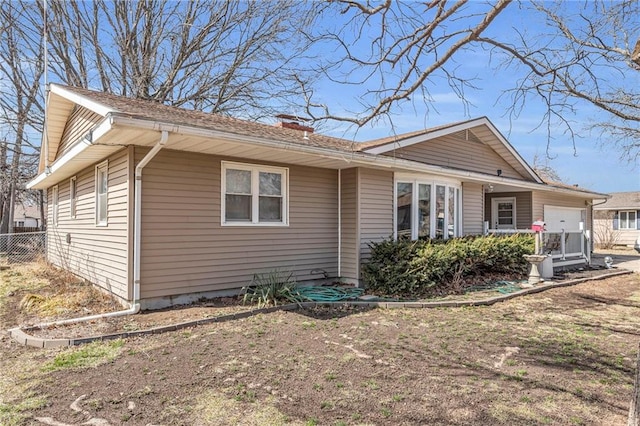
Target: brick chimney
293,122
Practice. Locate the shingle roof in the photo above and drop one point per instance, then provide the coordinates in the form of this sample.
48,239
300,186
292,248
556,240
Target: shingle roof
621,201
151,110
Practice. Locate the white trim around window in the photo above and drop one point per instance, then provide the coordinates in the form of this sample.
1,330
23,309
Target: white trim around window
73,197
432,207
102,191
54,205
627,220
257,196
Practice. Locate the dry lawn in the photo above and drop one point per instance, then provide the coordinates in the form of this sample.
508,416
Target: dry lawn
564,357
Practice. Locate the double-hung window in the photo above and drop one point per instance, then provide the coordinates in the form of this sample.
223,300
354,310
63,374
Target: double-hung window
426,209
628,219
102,188
254,195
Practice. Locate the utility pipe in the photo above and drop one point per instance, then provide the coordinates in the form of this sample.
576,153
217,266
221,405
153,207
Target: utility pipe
339,223
134,306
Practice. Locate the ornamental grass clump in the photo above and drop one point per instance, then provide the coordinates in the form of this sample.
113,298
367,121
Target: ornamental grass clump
270,289
406,268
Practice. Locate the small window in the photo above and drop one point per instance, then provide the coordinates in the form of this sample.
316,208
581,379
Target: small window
254,195
102,188
21,224
54,203
72,197
628,220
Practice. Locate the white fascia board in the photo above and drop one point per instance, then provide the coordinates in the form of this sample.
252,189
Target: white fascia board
511,149
390,146
450,130
74,151
80,100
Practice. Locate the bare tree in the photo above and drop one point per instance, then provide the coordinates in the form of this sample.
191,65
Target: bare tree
583,56
586,57
226,56
604,236
395,52
21,108
546,172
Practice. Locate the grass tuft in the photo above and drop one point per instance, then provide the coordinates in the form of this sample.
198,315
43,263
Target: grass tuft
17,414
90,355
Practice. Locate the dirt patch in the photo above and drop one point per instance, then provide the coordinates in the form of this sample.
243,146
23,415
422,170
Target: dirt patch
565,356
93,301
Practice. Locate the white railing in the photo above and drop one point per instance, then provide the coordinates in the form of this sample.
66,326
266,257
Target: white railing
566,247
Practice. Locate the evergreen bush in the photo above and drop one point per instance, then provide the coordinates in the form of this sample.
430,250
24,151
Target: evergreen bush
407,268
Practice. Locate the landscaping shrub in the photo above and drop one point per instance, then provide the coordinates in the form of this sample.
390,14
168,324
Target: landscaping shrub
271,288
407,268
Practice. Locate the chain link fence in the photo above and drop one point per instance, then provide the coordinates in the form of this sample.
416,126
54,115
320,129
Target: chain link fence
22,247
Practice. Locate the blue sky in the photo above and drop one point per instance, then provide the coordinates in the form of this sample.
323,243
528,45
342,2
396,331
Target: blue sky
592,163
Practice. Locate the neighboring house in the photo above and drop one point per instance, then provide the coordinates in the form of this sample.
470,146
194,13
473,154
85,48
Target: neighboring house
163,205
26,215
617,220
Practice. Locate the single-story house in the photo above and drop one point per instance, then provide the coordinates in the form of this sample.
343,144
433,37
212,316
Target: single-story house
162,205
616,220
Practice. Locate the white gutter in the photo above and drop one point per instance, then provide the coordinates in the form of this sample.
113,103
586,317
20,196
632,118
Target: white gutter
135,301
355,158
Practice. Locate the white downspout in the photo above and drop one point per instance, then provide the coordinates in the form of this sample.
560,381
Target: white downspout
134,307
339,223
137,208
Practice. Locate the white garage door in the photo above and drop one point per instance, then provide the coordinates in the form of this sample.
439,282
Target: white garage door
567,218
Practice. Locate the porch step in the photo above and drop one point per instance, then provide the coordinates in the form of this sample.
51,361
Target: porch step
569,262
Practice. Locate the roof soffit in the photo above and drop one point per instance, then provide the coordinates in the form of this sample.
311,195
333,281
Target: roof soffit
60,106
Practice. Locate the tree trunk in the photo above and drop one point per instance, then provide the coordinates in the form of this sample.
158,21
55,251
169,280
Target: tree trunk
12,206
4,169
41,205
634,411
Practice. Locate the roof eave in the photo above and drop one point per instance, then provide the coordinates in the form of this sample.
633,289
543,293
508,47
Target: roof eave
350,159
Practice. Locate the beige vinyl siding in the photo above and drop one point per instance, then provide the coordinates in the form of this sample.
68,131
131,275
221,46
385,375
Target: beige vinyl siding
603,232
98,254
78,125
486,134
456,152
625,237
472,214
350,258
541,199
185,249
376,207
524,217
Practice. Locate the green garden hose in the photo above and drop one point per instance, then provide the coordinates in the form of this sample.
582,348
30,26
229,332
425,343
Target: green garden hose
327,294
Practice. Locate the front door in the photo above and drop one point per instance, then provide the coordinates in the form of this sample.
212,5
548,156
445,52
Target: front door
503,213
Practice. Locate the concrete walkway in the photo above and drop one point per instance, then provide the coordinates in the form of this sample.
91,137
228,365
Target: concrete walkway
623,259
